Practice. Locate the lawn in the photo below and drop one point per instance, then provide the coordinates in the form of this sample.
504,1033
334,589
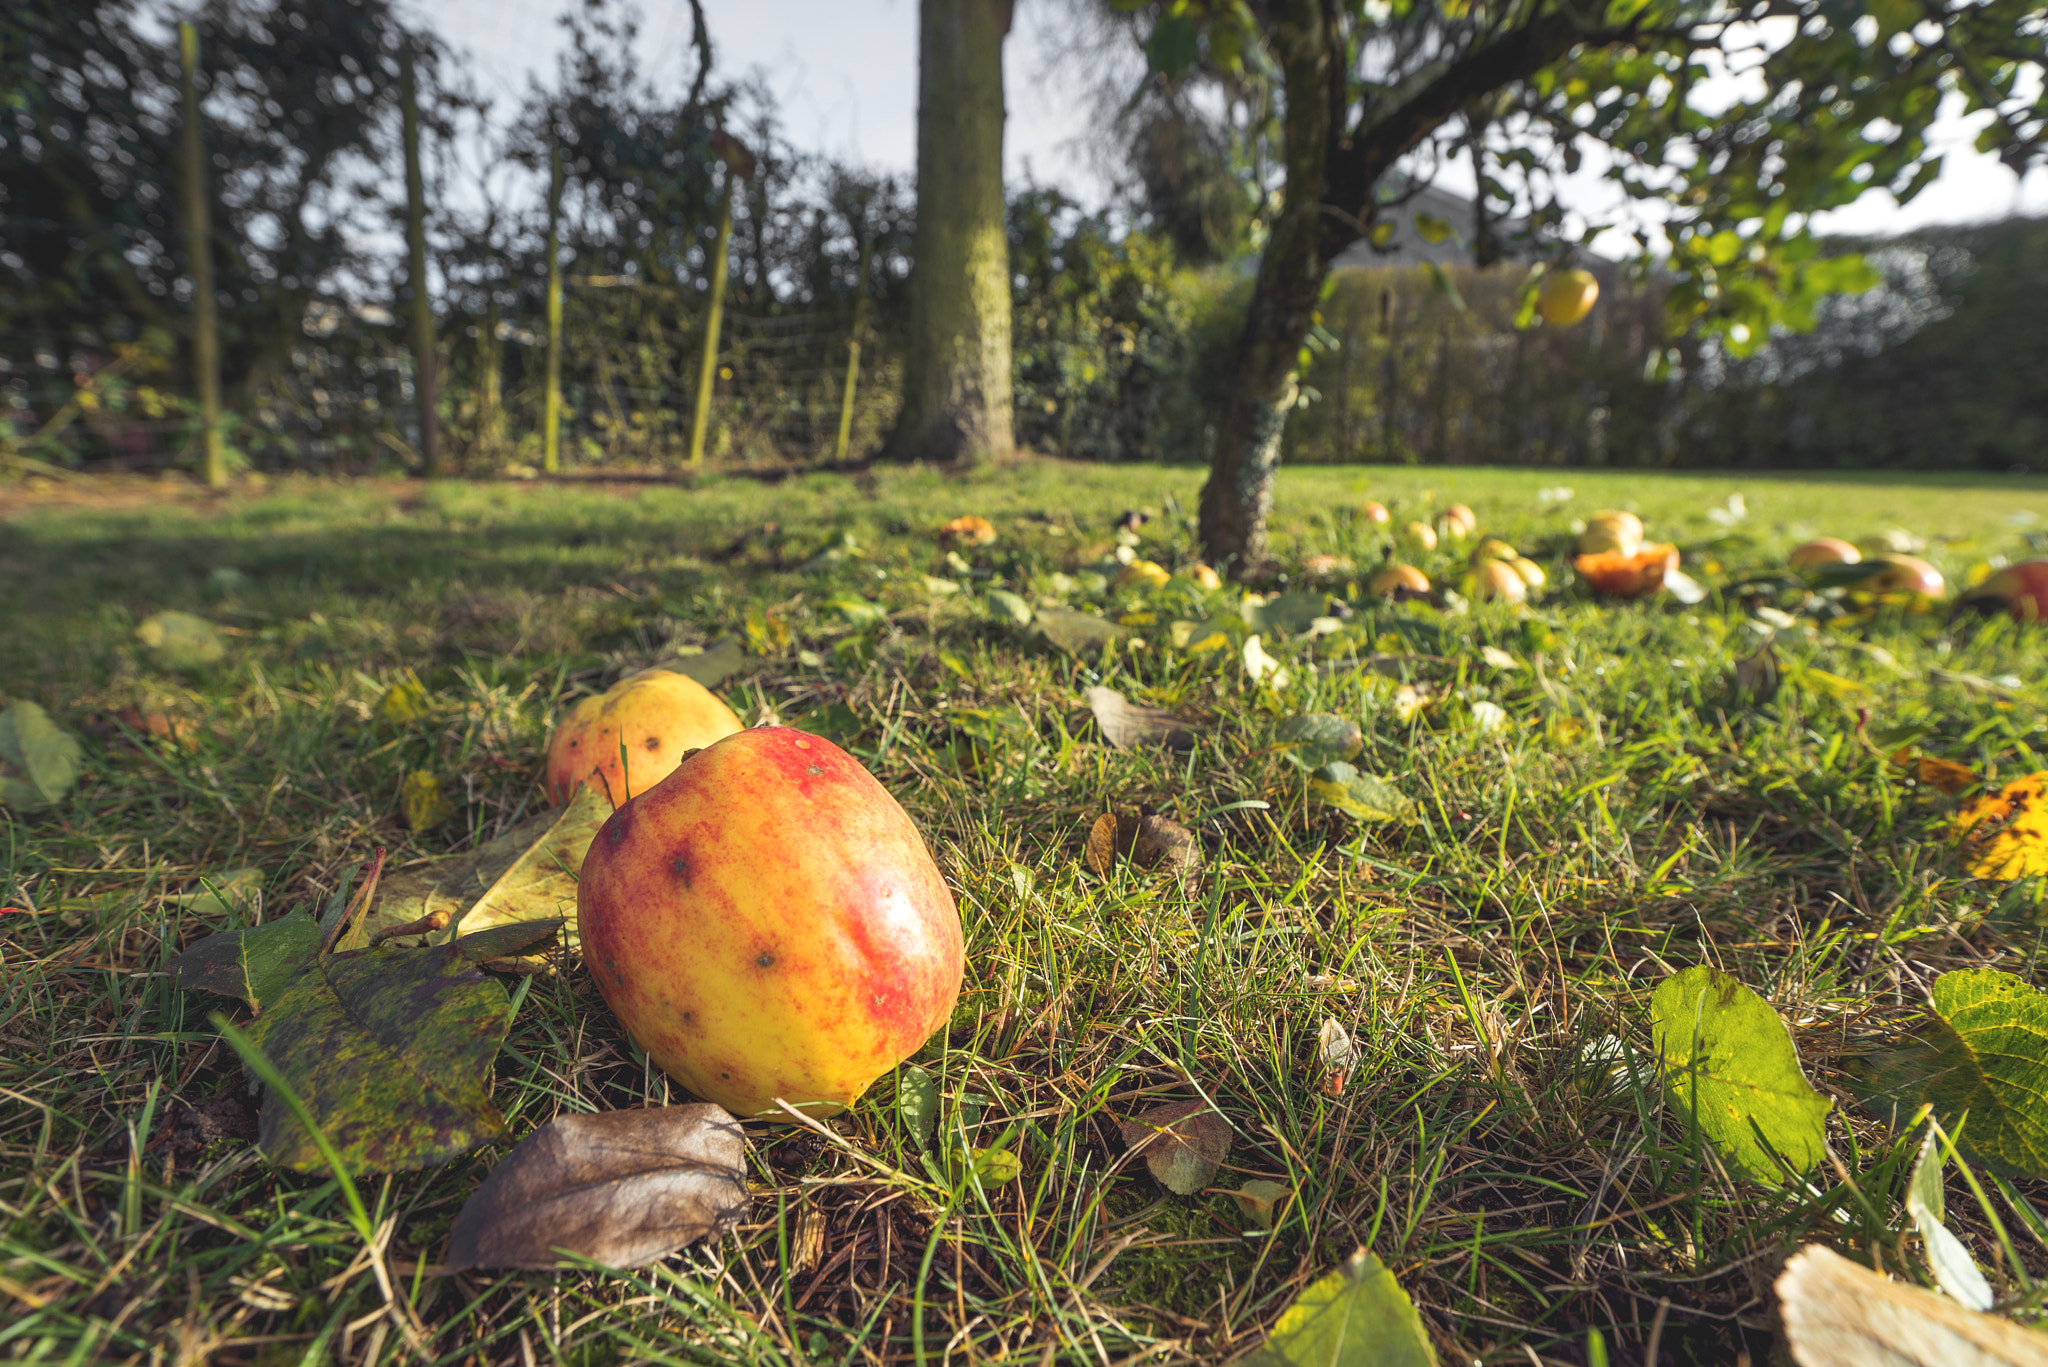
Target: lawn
1595,804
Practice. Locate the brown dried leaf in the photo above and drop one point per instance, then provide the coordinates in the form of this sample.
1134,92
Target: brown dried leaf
1109,837
1149,842
1125,723
1183,1142
1838,1314
1943,774
622,1188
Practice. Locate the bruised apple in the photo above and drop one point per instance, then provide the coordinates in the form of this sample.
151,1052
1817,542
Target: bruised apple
631,736
766,922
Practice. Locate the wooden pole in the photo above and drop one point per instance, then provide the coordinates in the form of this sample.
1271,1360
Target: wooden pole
423,348
551,404
860,315
199,247
700,419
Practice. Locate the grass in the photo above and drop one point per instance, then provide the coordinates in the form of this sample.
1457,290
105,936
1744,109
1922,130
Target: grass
1493,1143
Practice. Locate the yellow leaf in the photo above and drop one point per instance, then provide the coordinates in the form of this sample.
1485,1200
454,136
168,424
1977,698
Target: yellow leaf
421,800
2005,834
1947,775
403,702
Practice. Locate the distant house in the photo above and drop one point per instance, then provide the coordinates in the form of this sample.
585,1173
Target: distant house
1407,247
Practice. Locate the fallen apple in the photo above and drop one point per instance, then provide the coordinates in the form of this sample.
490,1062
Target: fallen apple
1149,574
1531,572
1204,576
2021,590
1493,548
1609,531
1457,521
1627,576
766,923
1419,535
1491,579
1567,296
1825,550
1376,513
631,736
1395,578
1907,574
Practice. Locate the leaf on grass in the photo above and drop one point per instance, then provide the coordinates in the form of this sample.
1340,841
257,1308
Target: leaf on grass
1984,1055
967,531
404,702
621,1188
1336,1052
1077,633
1757,676
1183,1142
391,1051
857,612
236,892
254,964
1942,774
713,666
1838,1314
501,942
1311,740
1357,1316
526,874
1259,1199
990,1167
39,760
1954,1270
1260,667
1728,1058
423,802
1126,724
1006,606
1149,842
1683,586
917,1104
1284,615
179,640
1362,797
2005,834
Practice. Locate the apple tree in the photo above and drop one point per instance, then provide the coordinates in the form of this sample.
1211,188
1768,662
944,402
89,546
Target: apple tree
1724,123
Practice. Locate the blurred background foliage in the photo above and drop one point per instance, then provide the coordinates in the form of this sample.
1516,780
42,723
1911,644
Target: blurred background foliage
1123,317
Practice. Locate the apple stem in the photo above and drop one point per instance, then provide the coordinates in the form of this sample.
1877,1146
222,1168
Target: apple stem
426,925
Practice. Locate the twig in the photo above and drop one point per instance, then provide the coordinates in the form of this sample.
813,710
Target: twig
355,909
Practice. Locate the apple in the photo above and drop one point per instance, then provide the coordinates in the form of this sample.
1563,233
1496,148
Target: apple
1457,522
1825,550
653,717
1419,535
1567,296
1620,533
1493,548
1627,576
2020,589
1531,572
1204,576
1376,513
1496,579
1394,578
1149,574
1902,574
766,922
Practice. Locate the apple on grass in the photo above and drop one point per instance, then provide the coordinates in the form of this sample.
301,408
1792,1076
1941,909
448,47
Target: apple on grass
767,923
633,735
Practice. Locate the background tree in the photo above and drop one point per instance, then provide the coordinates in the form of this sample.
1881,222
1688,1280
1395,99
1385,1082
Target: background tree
1827,102
957,385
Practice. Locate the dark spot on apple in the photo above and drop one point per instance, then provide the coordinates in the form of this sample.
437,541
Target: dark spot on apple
765,961
617,826
813,769
689,1016
681,866
725,1077
612,965
654,742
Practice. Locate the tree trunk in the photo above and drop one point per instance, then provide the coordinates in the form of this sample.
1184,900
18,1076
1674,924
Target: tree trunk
1239,492
551,389
956,389
421,307
199,240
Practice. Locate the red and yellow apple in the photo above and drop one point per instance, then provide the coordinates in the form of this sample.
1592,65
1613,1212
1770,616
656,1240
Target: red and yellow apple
630,737
1902,574
1395,578
1610,531
1824,550
767,923
1457,522
1376,513
1567,296
1491,579
2021,590
1627,576
1419,535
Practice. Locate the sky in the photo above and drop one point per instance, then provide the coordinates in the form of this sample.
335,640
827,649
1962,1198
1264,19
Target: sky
844,73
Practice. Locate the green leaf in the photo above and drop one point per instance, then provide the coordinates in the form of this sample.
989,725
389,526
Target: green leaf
1357,1316
1286,614
1728,1058
39,760
1182,1142
917,1103
1955,1271
181,641
1171,49
1432,229
713,666
255,964
990,1167
857,612
1983,1057
1077,633
1260,1200
229,894
1362,797
390,1049
1006,606
1314,739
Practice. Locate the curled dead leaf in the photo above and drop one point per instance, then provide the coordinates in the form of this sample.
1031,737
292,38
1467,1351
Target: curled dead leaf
1182,1142
967,531
619,1187
1150,842
1942,774
1126,724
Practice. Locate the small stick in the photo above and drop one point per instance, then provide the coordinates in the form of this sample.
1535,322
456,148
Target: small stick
426,925
356,908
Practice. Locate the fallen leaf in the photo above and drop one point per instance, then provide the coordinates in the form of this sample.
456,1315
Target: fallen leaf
404,703
255,964
390,1049
1311,740
2005,834
1006,606
422,801
1757,676
1111,835
1259,1199
1838,1314
1728,1059
1283,615
181,641
1149,842
39,760
1260,667
526,874
1182,1142
857,612
712,666
1357,1316
1498,658
1362,797
1334,1049
1955,1271
1077,633
621,1188
917,1103
1983,1055
238,892
990,1167
1126,724
1943,774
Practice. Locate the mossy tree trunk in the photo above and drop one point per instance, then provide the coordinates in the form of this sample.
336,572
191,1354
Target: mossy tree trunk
199,247
418,304
957,387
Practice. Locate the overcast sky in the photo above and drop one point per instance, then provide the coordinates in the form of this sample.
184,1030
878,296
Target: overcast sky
844,73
